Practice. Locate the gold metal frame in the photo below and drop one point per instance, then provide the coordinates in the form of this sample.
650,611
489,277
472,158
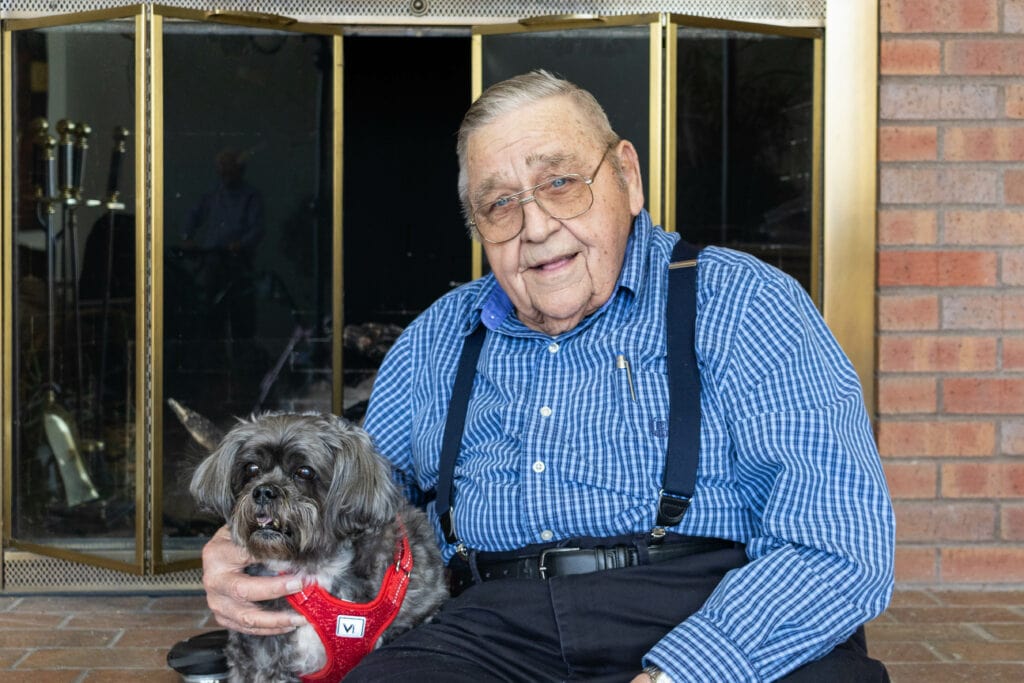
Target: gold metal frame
149,207
6,287
338,279
144,317
849,186
10,27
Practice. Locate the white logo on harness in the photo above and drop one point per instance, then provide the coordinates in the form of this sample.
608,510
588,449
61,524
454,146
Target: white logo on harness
350,627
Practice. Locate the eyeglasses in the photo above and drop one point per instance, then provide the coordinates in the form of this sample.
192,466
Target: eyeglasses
562,197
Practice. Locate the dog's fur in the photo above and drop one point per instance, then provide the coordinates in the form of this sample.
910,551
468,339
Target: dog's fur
309,495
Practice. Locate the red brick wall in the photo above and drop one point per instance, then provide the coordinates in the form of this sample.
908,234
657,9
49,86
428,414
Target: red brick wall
951,286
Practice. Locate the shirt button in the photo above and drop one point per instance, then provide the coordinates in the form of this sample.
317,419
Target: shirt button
545,411
547,535
538,466
553,347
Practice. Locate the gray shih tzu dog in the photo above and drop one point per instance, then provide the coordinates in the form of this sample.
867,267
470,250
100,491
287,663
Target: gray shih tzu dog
308,494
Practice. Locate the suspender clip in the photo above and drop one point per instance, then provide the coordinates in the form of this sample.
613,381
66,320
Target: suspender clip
448,525
671,508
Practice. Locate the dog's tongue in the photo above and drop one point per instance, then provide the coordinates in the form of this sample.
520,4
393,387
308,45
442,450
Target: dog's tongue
264,520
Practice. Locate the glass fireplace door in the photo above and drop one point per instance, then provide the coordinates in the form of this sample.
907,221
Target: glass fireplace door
247,236
743,160
172,245
724,115
73,459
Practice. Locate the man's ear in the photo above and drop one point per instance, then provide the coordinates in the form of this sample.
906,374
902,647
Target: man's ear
629,162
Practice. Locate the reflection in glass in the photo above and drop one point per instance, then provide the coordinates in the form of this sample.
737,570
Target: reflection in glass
73,455
744,158
247,233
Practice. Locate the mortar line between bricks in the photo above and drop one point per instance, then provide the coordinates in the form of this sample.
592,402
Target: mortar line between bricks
980,631
937,653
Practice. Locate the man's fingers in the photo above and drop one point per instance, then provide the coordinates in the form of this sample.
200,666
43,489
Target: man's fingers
260,623
230,592
244,588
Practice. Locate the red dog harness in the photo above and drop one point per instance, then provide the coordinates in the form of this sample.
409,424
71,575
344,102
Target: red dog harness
349,630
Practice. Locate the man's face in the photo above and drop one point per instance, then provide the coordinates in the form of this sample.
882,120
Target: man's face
556,272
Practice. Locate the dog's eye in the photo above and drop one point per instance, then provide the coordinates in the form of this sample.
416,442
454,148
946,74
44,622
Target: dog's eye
251,470
305,473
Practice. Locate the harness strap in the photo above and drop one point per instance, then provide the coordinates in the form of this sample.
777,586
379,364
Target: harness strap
350,630
683,448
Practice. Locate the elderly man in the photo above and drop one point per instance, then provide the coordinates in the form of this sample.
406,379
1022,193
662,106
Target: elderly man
786,548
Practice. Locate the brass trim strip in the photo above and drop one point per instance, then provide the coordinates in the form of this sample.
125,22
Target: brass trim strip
817,151
656,80
7,349
671,132
693,21
76,556
552,23
849,185
476,250
572,19
142,434
52,21
337,271
246,19
249,18
154,96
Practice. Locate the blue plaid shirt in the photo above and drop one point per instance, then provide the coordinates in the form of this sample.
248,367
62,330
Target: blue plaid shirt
556,446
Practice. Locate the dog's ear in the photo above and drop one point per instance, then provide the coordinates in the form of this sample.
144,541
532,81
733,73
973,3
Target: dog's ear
362,494
211,481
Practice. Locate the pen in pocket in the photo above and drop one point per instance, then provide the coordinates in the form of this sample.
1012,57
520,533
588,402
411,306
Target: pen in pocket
622,364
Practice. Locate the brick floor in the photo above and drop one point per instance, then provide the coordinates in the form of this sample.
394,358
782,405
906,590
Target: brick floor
925,635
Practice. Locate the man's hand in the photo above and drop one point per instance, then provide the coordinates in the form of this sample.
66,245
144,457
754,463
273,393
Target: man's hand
659,677
231,593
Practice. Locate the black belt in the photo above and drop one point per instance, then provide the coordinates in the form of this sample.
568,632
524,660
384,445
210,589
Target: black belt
566,560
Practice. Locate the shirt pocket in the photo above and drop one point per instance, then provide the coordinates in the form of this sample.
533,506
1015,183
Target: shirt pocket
620,436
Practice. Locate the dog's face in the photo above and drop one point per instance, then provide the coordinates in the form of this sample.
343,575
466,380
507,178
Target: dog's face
293,486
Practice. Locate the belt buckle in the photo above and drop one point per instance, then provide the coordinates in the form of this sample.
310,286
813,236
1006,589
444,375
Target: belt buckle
542,568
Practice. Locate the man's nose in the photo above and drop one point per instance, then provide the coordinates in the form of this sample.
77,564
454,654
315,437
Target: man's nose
537,223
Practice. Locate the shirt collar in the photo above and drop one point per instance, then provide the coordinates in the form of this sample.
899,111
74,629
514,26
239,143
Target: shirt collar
492,305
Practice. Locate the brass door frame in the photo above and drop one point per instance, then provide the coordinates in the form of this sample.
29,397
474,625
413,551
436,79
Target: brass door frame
137,13
149,207
155,331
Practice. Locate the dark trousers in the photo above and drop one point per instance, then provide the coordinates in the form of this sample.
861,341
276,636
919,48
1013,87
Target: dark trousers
589,627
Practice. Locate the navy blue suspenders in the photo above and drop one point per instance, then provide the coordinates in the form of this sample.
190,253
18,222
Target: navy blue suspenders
684,401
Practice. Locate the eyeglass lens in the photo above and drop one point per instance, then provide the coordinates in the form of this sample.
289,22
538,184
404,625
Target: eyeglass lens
563,197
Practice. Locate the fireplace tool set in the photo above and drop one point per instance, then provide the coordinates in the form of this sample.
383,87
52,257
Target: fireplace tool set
58,166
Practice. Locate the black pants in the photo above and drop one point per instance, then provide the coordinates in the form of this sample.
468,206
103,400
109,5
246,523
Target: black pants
589,627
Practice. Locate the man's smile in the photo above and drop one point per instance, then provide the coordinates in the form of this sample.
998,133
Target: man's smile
553,264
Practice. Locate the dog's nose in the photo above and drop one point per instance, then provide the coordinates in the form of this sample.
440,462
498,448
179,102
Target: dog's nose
264,494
